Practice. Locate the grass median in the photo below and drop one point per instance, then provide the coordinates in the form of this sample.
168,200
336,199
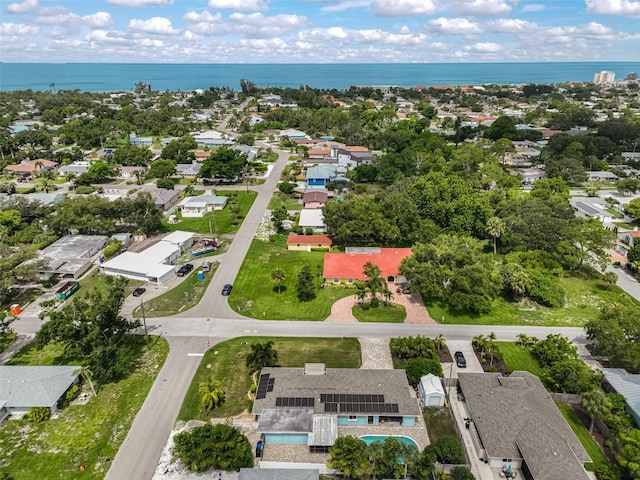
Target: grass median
393,313
226,362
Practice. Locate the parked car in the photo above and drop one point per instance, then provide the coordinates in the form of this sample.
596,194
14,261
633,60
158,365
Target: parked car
226,290
184,269
139,291
460,360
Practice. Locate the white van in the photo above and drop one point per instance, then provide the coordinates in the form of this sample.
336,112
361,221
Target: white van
206,266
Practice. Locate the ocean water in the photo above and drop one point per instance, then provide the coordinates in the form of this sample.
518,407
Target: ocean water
104,77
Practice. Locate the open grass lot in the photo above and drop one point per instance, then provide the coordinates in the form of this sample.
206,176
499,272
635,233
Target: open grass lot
439,423
226,362
224,224
89,434
584,297
394,313
21,296
96,280
254,295
280,198
184,296
519,358
583,435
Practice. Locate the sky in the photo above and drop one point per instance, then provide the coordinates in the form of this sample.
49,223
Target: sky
319,31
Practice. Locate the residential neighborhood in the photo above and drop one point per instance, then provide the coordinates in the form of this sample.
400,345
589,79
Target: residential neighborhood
433,282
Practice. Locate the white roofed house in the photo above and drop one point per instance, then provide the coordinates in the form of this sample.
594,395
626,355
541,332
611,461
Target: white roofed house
201,205
312,218
188,169
154,264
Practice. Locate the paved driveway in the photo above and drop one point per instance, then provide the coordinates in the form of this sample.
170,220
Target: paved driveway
473,365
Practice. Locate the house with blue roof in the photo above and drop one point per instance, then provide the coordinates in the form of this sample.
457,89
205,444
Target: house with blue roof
628,385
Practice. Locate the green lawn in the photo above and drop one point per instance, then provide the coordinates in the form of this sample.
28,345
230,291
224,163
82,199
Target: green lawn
628,226
439,423
519,358
584,298
81,434
223,221
183,297
98,280
254,295
6,340
394,313
226,362
280,198
589,444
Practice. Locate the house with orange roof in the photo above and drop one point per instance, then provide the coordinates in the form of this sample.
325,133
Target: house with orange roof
32,166
349,266
306,243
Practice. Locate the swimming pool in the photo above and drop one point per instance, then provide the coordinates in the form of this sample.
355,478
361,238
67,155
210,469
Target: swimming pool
369,439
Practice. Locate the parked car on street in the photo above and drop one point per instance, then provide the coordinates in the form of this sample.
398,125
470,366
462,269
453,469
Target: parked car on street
226,290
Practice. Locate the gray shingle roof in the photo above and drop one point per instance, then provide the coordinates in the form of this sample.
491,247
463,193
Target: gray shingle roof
292,382
516,418
278,474
26,387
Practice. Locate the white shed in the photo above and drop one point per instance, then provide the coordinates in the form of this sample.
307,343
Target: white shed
431,391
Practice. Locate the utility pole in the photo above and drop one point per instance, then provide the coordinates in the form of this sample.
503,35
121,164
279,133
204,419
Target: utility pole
144,322
215,227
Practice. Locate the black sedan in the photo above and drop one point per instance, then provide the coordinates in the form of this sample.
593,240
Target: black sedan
139,291
226,290
184,269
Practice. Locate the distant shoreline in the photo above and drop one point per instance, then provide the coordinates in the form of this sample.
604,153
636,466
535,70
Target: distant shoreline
113,77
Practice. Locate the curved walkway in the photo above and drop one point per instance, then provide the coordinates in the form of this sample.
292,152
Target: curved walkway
341,310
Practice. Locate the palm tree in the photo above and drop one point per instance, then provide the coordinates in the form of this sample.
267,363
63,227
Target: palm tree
388,296
212,395
523,339
495,228
188,190
596,404
85,373
277,276
361,294
139,176
610,278
47,185
375,282
439,342
38,166
261,355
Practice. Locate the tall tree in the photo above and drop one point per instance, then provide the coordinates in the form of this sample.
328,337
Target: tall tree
92,328
375,283
495,229
212,395
596,404
277,277
262,355
224,163
305,288
348,455
629,457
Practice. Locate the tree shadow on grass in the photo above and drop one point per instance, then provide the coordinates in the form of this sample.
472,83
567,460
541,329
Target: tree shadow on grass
283,289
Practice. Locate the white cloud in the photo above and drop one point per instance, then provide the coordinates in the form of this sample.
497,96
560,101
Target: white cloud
533,7
264,44
250,5
345,5
205,16
453,26
256,25
22,7
157,25
68,20
140,3
402,8
98,20
613,7
511,25
484,47
481,7
17,29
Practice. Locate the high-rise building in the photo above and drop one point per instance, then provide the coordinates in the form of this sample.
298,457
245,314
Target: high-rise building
604,77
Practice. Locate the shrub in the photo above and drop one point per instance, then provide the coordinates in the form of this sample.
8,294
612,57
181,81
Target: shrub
545,289
70,395
416,368
413,347
166,183
461,473
253,388
374,302
308,231
448,450
85,190
112,249
38,414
